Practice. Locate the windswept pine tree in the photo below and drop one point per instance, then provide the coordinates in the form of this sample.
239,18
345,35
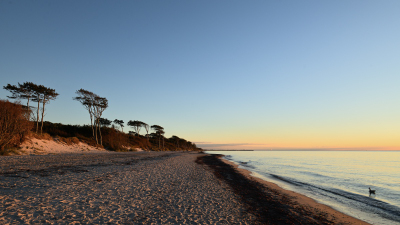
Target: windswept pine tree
136,125
22,91
160,133
105,122
119,123
95,106
147,128
86,98
100,105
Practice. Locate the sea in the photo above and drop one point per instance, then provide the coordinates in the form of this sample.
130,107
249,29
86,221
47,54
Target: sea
339,179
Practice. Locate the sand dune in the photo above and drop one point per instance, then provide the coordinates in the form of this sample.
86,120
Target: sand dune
36,146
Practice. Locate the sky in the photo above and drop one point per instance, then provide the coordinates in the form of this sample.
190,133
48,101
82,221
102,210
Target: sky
224,74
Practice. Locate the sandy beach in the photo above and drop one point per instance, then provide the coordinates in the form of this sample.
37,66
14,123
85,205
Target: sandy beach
146,188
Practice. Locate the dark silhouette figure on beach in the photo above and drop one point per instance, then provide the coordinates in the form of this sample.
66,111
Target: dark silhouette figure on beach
371,191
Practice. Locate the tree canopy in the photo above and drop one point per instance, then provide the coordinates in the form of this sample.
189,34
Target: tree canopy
136,125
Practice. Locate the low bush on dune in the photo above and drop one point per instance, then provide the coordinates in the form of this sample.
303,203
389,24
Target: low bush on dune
115,140
74,140
68,140
88,140
140,142
44,136
14,125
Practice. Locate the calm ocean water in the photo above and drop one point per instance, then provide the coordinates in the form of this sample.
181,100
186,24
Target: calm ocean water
339,179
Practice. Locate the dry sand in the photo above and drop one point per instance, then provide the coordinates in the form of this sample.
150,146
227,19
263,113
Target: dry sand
134,188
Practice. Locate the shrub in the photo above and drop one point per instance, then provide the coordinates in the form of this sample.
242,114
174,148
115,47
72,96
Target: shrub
74,140
114,139
69,140
43,136
14,125
139,142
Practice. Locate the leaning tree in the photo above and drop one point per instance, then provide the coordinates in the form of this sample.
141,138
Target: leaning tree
160,132
147,128
100,104
95,106
86,98
120,123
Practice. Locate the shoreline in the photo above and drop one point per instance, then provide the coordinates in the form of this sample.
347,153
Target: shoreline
307,207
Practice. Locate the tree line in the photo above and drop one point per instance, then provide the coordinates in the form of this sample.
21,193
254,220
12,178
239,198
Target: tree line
158,133
95,105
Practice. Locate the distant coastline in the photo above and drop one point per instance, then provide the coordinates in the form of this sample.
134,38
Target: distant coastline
228,150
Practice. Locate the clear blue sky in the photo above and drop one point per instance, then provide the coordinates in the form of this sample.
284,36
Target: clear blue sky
232,74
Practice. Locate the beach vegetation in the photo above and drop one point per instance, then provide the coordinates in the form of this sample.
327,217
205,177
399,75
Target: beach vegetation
116,140
14,125
68,140
101,132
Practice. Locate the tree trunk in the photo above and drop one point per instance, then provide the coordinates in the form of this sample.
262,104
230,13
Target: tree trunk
37,118
101,138
29,110
95,125
91,123
41,128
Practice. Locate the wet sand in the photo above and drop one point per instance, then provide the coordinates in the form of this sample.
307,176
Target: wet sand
144,188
